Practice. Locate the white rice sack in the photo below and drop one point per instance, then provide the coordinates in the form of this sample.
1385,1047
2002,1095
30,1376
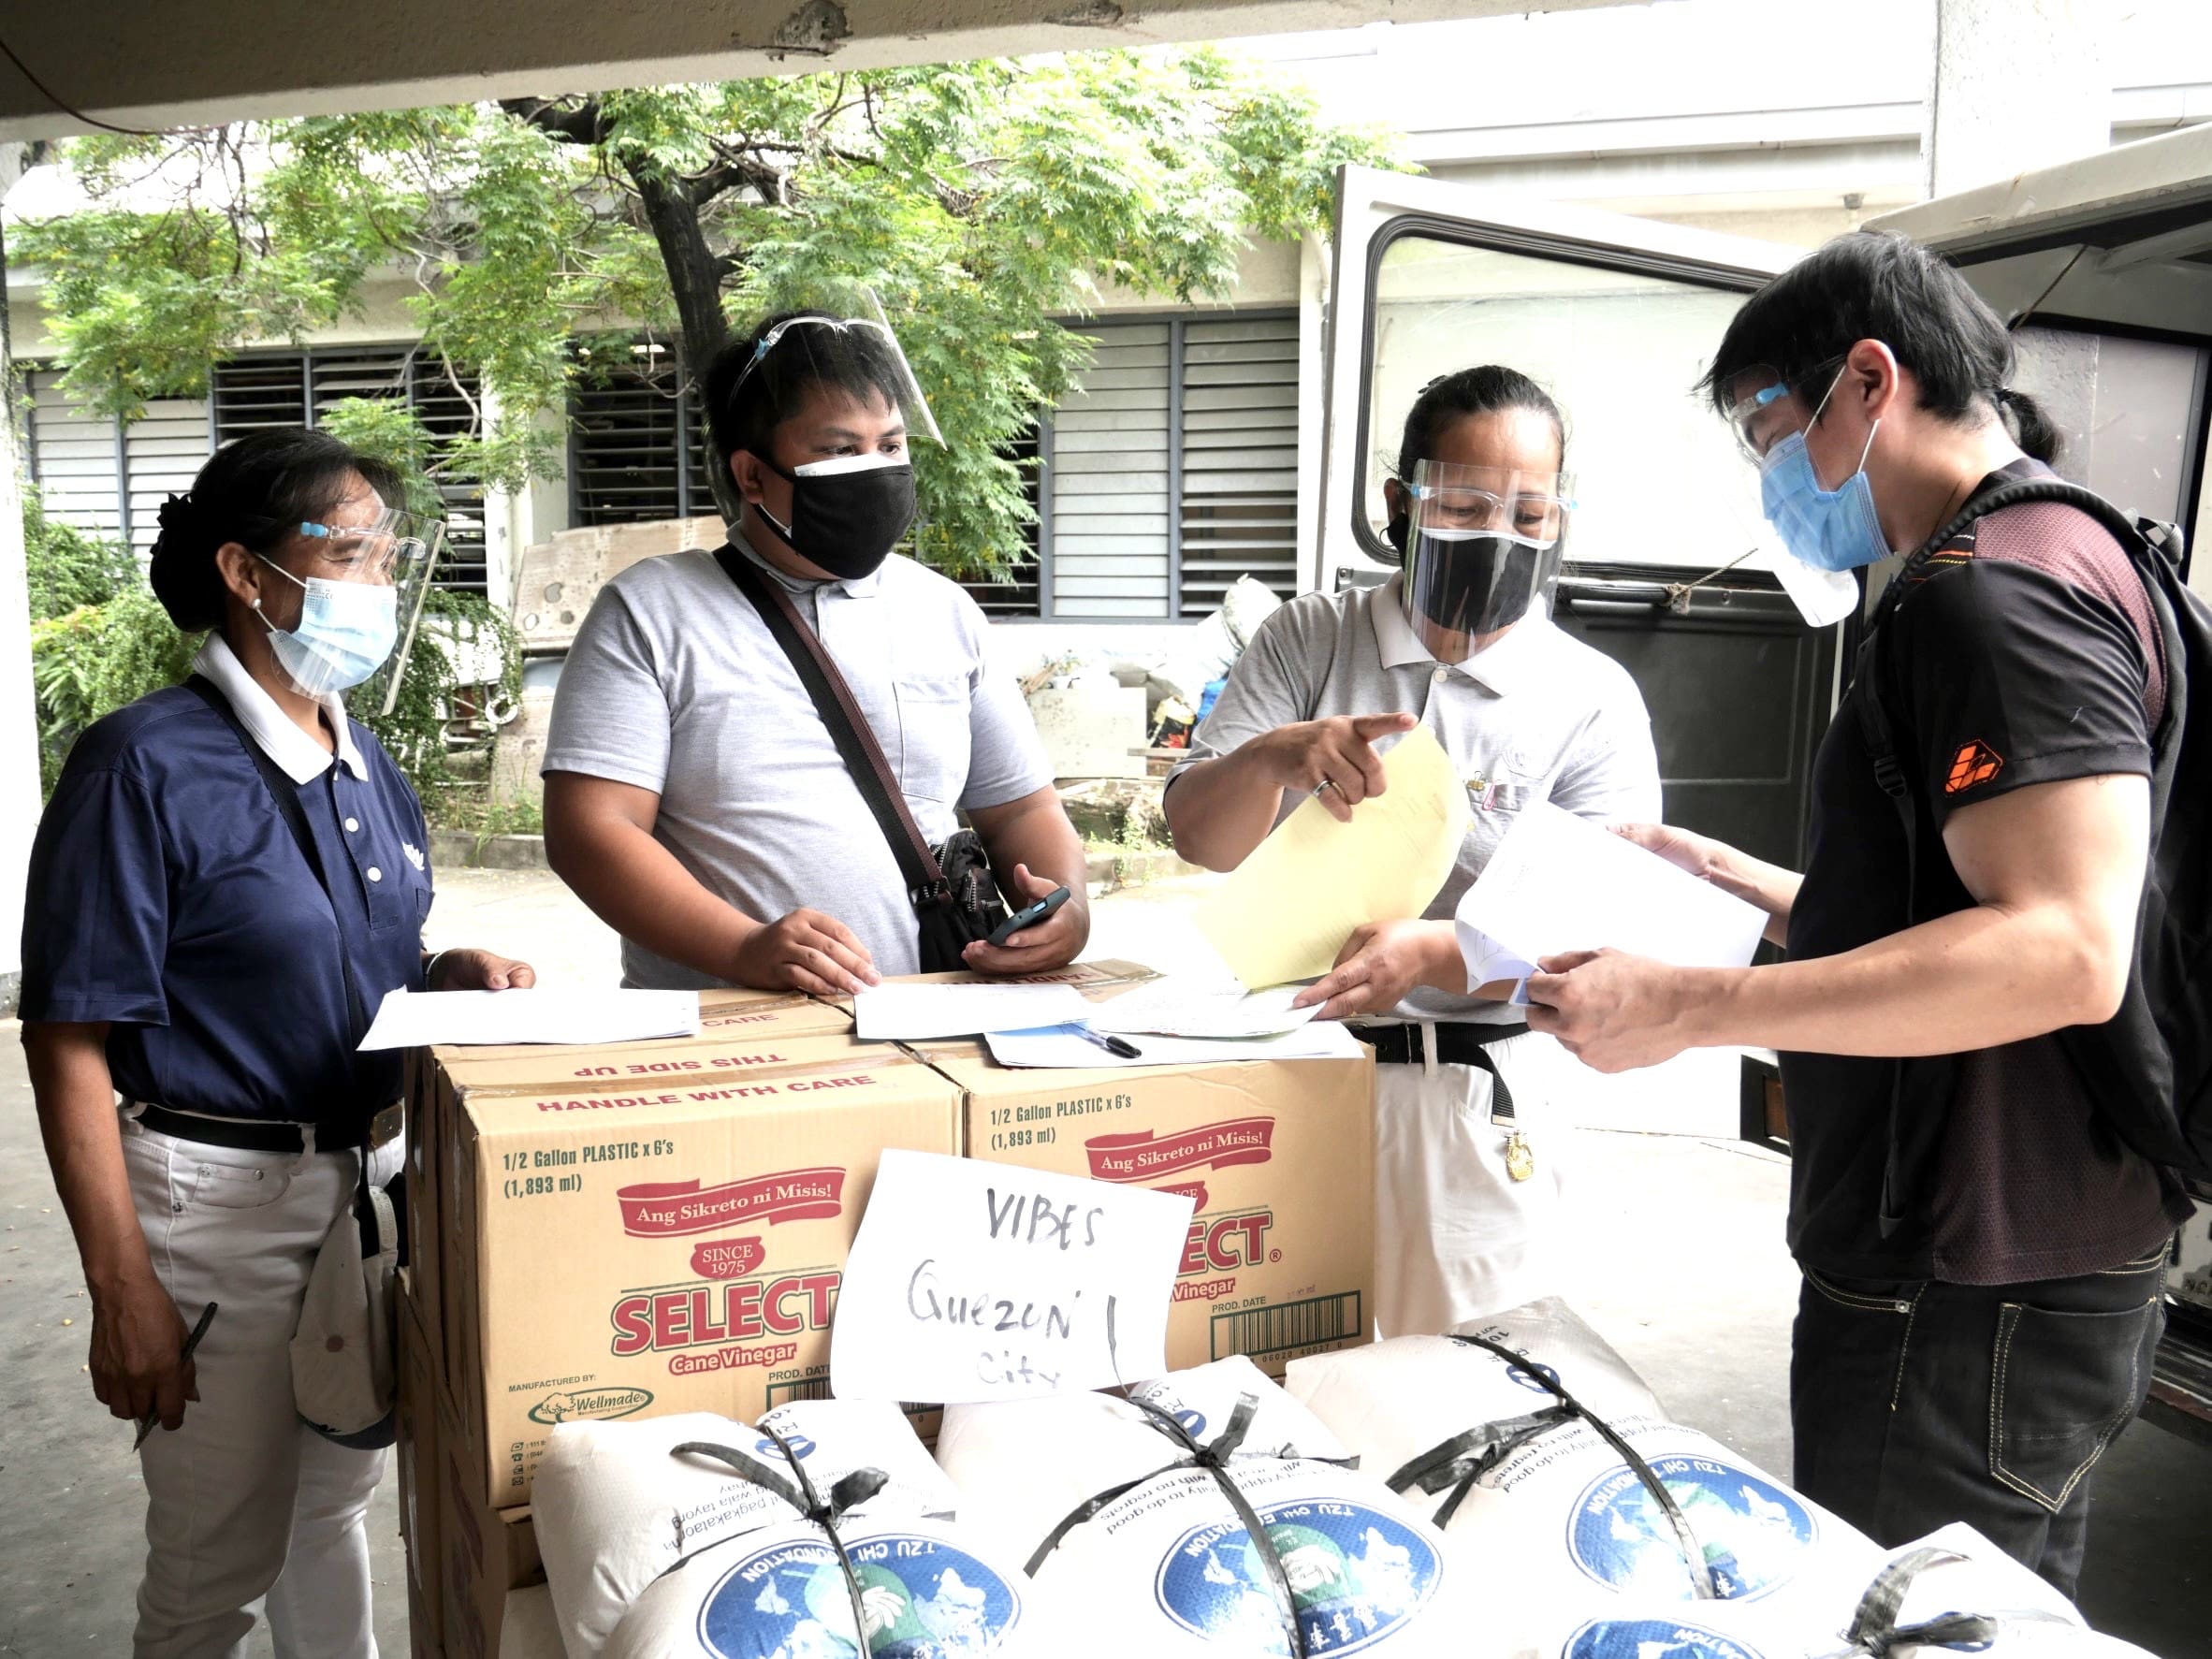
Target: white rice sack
1396,1401
779,1592
1167,1569
1564,1524
614,1509
2032,1621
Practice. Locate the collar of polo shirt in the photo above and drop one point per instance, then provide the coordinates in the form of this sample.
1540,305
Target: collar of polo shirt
300,756
1506,667
865,587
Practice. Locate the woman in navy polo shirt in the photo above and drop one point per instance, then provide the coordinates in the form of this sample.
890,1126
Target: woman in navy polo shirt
180,952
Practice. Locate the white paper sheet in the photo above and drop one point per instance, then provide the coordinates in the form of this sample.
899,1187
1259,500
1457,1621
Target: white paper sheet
1065,1047
1558,883
414,1019
913,1013
974,1281
1177,1006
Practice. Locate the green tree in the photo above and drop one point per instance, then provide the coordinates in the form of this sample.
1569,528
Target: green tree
981,201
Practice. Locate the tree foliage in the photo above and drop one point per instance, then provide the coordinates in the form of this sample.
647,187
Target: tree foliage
66,567
981,201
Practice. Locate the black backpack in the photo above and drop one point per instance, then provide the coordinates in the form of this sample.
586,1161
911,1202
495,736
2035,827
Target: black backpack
2149,1067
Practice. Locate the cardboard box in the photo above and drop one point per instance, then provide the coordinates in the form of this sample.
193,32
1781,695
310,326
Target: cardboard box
417,1460
489,1554
1279,1154
729,1020
462,1557
668,1239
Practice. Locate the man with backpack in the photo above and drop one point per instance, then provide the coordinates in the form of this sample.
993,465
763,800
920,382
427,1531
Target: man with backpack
1992,1056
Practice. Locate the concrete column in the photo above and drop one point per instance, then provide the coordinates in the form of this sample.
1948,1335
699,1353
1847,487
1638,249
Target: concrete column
19,732
2019,84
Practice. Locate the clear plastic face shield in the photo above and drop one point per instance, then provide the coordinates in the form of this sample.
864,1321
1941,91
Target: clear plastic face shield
361,587
1482,550
866,408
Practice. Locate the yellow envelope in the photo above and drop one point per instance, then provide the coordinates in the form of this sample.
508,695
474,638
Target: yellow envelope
1288,907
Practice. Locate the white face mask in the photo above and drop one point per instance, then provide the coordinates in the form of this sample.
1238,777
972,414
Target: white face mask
346,631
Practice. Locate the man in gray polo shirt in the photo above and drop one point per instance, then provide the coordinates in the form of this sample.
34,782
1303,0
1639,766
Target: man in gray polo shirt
1468,1178
693,797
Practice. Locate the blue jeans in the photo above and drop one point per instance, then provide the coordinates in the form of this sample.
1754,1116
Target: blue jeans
1916,1404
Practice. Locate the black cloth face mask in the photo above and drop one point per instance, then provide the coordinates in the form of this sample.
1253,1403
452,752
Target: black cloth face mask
847,522
1473,583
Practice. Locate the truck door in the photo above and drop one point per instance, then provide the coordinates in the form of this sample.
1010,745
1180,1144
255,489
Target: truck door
2103,268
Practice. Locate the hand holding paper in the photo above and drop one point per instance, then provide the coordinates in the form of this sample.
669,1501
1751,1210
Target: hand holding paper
1288,908
1560,883
1560,886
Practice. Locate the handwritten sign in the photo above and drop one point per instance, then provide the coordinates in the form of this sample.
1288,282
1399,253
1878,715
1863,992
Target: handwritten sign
974,1281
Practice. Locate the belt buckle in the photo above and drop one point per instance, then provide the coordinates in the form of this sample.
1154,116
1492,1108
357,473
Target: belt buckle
384,1128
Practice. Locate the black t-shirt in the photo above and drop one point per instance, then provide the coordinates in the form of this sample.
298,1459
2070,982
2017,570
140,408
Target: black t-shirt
2022,653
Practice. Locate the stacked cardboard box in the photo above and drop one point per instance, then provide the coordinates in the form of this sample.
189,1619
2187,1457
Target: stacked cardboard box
650,1228
464,1558
657,1230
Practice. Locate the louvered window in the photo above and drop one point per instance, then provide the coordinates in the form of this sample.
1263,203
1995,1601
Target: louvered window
1113,479
264,389
1174,470
106,480
1019,594
637,439
1239,500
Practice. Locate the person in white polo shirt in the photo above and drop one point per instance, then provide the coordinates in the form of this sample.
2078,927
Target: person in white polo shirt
695,798
1469,1170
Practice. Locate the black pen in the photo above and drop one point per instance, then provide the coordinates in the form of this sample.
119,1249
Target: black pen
1113,1045
207,1318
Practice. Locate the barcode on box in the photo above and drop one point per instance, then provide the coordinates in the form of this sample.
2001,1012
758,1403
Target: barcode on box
817,1387
811,1388
1288,1327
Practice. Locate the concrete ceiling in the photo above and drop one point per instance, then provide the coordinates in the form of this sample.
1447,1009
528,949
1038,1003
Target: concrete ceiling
157,63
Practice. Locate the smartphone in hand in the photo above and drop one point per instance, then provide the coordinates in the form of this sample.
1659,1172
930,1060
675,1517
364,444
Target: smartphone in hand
1028,918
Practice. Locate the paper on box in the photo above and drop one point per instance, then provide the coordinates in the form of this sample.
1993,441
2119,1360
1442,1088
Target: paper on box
1100,979
669,1239
1279,1157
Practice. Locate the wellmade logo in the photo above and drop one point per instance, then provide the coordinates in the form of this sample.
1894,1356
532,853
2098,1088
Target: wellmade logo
589,1403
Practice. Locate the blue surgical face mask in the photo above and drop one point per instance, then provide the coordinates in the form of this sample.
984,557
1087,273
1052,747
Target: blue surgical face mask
344,633
1832,530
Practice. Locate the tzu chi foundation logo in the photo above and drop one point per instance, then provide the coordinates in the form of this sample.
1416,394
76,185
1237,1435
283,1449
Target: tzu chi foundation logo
920,1598
1754,1535
1356,1576
1651,1638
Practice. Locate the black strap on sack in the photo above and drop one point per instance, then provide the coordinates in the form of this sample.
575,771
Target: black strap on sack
1460,1462
847,727
799,1492
1874,1629
1212,1456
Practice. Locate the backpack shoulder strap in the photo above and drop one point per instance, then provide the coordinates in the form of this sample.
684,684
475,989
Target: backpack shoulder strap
848,726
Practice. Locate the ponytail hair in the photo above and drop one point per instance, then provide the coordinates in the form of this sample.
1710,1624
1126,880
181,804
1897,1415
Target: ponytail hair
2029,424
